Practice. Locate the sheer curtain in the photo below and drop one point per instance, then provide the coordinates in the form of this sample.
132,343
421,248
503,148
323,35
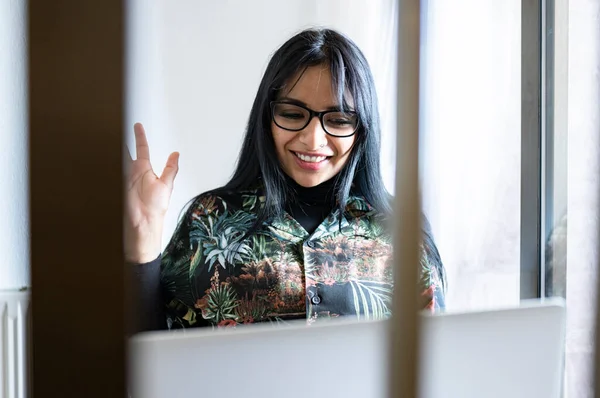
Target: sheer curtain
583,193
470,152
471,146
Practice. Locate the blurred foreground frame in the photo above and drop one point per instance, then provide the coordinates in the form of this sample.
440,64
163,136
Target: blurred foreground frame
75,142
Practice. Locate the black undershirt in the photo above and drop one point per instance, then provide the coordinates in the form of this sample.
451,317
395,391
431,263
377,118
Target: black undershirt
310,206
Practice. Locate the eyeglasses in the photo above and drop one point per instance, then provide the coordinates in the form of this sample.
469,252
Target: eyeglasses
294,117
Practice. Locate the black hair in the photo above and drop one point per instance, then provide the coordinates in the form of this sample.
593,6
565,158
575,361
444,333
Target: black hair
350,74
258,165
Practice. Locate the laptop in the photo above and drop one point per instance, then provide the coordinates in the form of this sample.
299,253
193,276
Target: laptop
511,352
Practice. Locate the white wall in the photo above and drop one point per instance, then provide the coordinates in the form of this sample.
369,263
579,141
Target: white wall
14,218
194,69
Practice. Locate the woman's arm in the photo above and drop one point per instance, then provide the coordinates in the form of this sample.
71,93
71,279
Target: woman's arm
147,299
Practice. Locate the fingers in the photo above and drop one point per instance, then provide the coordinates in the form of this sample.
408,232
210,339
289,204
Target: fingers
141,142
143,152
171,169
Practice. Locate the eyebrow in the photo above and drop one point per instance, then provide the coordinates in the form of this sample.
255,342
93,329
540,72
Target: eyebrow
301,103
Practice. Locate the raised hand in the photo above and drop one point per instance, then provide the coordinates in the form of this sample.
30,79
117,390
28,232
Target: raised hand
147,197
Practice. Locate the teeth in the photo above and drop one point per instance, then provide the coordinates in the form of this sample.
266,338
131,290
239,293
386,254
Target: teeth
311,159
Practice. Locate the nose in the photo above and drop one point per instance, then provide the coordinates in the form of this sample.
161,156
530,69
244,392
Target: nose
313,136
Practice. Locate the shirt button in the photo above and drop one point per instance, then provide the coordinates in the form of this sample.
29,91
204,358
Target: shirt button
310,244
316,300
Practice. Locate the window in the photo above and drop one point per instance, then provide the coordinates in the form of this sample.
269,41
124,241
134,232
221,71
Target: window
500,182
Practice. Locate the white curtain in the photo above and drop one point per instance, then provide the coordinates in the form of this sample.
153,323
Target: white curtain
583,242
471,146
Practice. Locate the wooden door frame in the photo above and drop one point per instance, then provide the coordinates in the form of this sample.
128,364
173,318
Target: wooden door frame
75,142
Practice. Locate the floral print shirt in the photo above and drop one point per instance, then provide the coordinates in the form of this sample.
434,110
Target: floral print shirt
212,275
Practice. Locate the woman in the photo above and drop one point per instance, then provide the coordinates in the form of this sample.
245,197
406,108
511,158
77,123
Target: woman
299,231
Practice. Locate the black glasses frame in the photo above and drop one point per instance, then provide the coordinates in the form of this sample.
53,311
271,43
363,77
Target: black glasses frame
311,115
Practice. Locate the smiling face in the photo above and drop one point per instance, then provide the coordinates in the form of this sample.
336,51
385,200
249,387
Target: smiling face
311,156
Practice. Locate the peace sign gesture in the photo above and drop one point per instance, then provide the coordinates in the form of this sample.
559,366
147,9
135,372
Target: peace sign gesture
147,197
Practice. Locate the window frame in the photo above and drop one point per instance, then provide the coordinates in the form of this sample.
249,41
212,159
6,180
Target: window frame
531,149
544,106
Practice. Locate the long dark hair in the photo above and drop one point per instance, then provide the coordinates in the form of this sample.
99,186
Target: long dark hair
350,74
258,164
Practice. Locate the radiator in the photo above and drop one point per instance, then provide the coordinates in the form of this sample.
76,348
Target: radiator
14,336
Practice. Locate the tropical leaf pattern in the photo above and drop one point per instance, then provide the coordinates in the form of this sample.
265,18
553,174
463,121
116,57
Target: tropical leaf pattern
213,274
